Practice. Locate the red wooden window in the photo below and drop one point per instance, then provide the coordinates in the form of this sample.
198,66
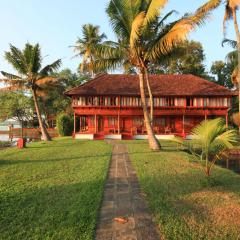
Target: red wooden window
159,122
138,121
92,121
112,121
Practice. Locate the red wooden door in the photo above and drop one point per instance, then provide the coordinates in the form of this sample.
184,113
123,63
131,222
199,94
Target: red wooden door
127,125
100,124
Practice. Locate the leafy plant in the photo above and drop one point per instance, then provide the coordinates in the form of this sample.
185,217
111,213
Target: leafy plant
210,140
236,119
64,124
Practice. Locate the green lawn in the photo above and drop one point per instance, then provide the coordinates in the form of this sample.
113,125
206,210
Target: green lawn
183,203
52,190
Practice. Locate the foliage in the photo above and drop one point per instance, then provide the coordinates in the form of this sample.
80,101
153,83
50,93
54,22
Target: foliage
56,102
231,8
64,124
141,27
232,59
190,61
4,144
236,119
86,48
184,206
52,191
15,105
211,139
223,71
31,76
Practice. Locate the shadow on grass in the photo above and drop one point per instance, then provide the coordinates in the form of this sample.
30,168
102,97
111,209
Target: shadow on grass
22,161
57,212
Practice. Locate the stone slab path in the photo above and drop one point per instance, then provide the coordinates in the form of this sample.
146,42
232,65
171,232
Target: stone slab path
122,198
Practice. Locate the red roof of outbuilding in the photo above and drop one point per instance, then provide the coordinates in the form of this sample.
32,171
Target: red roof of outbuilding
161,85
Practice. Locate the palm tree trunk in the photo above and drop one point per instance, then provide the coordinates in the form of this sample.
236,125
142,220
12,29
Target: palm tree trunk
238,49
45,135
153,142
150,96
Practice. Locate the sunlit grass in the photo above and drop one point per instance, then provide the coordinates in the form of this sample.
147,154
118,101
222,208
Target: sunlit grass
183,202
52,190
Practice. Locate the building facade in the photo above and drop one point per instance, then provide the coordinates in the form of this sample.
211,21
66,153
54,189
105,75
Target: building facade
109,106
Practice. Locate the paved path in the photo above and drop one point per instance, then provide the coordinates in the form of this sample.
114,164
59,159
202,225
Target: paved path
122,199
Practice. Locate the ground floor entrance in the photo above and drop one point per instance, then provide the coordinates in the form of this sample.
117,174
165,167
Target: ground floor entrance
134,125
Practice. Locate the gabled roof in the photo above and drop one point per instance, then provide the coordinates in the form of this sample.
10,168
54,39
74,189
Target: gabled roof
161,85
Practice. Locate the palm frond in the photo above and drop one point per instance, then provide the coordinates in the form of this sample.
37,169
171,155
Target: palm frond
162,20
15,87
16,58
234,3
229,42
46,81
10,76
209,6
136,28
49,69
108,64
180,29
153,10
36,59
117,12
228,15
214,135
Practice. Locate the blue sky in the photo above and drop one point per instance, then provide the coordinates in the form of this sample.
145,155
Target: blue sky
56,24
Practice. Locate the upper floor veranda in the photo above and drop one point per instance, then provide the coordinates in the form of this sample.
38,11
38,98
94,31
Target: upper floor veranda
159,102
182,93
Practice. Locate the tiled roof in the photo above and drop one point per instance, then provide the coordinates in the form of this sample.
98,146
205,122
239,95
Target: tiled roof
161,85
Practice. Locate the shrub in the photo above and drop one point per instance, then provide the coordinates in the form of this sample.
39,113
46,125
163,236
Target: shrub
5,144
236,119
211,139
64,124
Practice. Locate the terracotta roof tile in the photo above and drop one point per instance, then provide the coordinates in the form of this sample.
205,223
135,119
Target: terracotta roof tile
161,85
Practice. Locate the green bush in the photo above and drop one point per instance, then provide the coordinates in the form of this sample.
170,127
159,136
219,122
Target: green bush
4,144
64,124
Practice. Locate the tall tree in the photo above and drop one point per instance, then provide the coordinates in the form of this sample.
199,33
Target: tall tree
223,72
86,47
231,7
55,101
148,39
31,76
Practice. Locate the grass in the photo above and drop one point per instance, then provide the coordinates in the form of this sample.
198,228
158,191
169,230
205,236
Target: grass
4,144
183,202
52,190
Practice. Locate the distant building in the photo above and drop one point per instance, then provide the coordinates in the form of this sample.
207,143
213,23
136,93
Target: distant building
4,126
109,106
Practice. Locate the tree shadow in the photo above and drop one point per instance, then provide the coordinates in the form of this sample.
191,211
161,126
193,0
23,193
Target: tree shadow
68,211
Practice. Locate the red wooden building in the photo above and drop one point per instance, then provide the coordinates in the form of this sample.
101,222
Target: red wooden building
109,106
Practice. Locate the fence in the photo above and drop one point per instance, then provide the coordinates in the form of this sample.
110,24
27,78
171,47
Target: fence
31,133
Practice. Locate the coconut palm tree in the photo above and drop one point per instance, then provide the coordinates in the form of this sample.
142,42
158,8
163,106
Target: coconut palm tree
148,39
213,139
86,47
31,76
231,7
232,58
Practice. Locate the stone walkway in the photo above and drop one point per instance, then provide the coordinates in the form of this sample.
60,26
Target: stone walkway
122,199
